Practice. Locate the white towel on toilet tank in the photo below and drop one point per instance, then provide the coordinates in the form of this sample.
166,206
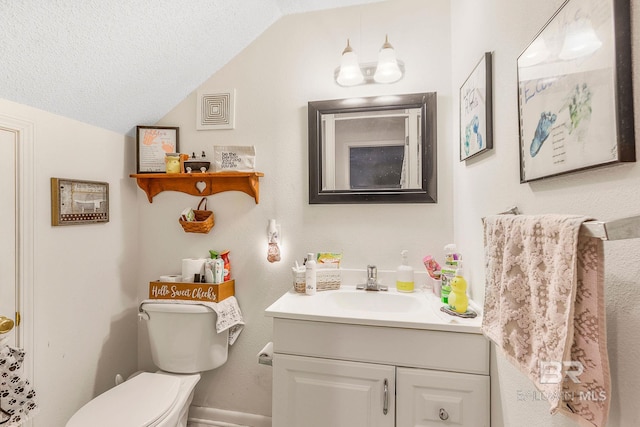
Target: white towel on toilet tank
228,313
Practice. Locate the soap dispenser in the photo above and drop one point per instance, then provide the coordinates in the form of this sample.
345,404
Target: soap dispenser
458,300
404,274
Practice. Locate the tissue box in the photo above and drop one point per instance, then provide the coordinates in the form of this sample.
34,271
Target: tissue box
326,279
208,292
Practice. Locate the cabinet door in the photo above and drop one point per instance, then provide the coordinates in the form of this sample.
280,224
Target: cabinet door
313,392
435,399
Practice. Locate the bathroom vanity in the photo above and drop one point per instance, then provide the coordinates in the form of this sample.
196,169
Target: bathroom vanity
376,359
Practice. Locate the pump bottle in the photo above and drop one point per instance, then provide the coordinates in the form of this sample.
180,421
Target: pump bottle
404,274
310,275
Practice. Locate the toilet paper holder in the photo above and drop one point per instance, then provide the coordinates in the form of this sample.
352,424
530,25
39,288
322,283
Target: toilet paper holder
265,356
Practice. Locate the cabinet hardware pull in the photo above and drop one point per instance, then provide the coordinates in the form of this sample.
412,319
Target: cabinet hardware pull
385,405
443,414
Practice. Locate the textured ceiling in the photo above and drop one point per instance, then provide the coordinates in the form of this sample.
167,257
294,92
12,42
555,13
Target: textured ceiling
119,63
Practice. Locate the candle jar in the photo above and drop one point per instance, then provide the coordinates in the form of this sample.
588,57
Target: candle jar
172,162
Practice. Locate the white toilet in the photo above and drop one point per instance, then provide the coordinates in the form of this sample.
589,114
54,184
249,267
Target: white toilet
184,343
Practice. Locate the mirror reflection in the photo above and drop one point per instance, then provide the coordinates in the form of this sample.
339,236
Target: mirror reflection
371,150
379,149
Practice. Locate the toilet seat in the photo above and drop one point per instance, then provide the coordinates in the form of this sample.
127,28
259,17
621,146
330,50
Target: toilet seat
143,401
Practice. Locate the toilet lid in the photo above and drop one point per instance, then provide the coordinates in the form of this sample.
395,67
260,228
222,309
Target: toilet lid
139,402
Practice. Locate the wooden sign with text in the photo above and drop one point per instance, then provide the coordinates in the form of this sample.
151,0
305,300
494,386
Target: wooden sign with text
192,291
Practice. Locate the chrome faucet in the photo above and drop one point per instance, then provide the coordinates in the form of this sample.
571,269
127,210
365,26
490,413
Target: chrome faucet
372,280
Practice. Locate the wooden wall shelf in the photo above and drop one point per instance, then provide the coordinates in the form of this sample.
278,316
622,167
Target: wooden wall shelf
200,184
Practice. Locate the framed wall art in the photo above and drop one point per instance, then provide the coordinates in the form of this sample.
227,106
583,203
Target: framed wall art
153,143
78,202
476,118
574,91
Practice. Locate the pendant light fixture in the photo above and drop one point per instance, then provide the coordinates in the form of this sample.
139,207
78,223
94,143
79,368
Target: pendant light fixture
350,73
388,69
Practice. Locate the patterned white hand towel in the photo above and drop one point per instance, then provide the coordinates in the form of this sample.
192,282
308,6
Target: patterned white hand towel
544,308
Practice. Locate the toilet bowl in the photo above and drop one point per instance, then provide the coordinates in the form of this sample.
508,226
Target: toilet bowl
184,342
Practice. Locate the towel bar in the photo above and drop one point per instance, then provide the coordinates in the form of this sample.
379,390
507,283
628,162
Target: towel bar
619,229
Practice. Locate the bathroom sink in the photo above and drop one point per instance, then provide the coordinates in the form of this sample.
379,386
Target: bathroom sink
372,301
415,310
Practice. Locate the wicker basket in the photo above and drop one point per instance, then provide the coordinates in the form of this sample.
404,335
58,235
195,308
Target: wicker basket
203,222
326,279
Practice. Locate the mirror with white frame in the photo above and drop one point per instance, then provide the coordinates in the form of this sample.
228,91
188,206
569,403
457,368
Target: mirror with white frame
373,150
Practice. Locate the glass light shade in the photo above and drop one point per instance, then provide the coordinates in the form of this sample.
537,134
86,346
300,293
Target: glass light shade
387,70
580,40
350,73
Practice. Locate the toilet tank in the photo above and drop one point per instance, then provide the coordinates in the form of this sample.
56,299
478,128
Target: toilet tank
183,337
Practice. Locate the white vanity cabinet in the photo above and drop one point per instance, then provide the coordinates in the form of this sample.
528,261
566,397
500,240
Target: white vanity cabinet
315,392
349,375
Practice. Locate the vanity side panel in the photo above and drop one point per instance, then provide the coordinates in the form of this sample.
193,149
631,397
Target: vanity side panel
447,351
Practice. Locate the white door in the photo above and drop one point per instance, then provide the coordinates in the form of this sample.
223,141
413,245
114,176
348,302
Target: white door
313,392
8,244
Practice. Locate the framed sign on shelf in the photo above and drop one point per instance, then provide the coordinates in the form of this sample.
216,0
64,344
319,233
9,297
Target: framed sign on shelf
153,143
476,118
78,202
574,91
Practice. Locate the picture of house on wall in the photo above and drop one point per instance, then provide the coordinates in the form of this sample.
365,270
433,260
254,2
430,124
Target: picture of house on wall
569,101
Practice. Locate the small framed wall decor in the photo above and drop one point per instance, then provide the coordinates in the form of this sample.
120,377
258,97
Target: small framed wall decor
575,93
476,116
153,143
78,202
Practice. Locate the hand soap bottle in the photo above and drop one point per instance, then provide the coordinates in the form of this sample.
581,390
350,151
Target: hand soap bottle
458,300
404,274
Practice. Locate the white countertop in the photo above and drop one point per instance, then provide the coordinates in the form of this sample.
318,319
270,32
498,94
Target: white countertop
415,310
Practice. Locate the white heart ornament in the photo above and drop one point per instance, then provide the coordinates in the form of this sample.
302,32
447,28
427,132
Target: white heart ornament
201,185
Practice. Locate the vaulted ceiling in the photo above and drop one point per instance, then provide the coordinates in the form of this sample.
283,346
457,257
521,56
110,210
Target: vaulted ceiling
118,63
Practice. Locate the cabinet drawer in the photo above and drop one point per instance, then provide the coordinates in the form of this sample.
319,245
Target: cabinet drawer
420,348
437,399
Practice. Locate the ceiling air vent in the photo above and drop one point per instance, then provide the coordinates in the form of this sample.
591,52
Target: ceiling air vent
216,110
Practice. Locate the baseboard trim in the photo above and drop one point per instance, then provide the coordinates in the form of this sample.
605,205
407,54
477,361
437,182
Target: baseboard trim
201,416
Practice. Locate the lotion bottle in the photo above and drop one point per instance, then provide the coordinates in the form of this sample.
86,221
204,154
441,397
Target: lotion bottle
310,274
404,274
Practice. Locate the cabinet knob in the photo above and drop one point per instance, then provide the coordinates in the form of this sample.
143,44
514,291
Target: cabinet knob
444,416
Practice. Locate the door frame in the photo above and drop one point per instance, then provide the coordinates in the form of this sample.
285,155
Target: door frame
25,220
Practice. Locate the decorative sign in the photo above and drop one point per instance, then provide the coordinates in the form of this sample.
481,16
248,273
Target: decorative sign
153,143
78,202
208,292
